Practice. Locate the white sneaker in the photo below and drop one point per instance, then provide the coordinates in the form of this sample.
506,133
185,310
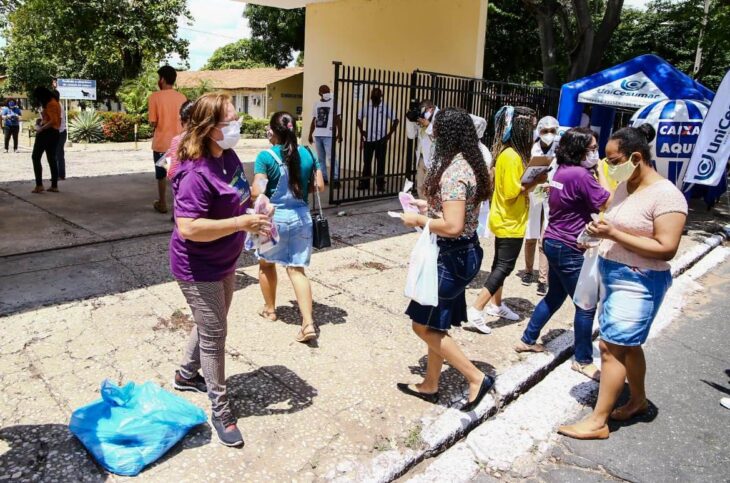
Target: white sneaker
502,311
476,320
725,402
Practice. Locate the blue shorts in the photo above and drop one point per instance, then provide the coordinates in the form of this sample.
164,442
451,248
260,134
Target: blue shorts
631,300
295,238
459,262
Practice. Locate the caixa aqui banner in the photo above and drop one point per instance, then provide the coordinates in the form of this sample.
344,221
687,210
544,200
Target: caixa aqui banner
677,124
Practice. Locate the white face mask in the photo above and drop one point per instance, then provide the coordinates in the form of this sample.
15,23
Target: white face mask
547,138
231,135
591,160
427,115
327,97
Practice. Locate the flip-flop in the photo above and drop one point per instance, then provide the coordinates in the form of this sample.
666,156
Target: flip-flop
268,315
305,337
428,397
38,189
158,209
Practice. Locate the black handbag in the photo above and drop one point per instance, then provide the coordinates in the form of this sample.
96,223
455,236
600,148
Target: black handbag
320,225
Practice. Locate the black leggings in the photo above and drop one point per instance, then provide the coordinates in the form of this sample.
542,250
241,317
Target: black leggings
506,252
11,131
45,142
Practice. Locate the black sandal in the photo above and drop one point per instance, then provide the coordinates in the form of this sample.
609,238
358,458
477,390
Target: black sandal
433,397
487,384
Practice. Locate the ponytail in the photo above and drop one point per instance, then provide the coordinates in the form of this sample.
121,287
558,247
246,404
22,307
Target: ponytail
284,126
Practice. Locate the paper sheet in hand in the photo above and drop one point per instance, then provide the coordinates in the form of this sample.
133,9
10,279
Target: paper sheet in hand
538,166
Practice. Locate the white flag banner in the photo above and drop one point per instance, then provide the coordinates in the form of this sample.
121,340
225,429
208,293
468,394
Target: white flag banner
711,153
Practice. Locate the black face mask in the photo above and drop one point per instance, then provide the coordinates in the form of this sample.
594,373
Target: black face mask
376,100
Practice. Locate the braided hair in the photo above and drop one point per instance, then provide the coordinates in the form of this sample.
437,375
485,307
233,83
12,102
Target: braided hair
455,133
517,130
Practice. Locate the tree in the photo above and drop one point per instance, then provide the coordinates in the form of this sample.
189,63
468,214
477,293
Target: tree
134,92
585,32
280,33
105,40
512,52
242,54
671,29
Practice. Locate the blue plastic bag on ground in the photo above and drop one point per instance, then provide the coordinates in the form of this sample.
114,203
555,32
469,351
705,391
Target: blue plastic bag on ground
132,426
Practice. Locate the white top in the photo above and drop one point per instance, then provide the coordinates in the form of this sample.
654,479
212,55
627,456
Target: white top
425,138
378,120
63,119
322,114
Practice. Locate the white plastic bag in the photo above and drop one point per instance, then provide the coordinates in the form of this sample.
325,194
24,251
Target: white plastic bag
589,282
483,230
422,284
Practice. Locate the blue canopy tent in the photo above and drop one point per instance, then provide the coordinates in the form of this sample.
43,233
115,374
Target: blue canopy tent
632,85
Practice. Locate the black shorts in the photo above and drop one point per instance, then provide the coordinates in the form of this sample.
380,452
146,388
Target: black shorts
160,173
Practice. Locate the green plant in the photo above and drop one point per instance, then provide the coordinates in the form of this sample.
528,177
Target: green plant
144,131
86,127
254,128
193,93
134,93
118,126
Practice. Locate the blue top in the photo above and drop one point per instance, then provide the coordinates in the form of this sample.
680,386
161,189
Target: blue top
265,164
8,117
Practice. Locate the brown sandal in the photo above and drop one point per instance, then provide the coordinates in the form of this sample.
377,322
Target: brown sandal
305,336
38,189
53,189
622,414
268,314
522,347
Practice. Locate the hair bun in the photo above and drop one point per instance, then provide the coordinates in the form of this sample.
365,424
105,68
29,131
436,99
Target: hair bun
648,131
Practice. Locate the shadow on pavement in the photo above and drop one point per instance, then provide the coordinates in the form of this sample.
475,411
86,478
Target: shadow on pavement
322,314
714,385
46,452
452,385
267,391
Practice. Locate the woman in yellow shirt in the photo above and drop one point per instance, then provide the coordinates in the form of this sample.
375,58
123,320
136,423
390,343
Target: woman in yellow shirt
508,215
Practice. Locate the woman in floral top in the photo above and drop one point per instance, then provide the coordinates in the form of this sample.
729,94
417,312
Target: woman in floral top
457,183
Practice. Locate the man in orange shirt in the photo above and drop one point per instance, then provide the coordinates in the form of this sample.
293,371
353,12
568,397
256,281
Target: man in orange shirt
164,117
46,138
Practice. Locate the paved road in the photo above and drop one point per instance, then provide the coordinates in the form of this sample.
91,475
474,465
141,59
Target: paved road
687,438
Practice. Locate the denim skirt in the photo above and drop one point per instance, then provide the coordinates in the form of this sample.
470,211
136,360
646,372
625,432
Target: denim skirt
458,263
295,243
631,299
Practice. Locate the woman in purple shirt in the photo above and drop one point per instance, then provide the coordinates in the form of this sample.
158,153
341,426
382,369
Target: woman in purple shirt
575,194
211,196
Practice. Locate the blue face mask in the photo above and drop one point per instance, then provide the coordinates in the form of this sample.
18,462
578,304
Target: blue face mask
11,104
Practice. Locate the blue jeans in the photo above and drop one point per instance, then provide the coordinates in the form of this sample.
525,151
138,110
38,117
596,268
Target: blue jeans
564,269
324,156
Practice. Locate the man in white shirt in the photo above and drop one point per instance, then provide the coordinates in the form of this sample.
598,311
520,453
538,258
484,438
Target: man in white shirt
376,115
423,131
323,129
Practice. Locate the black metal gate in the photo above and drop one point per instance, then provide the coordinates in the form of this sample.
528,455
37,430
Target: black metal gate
352,91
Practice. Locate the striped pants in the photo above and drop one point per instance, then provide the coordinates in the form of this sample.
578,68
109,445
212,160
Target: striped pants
206,347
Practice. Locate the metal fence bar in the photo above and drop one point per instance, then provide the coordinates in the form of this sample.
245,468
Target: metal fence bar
352,90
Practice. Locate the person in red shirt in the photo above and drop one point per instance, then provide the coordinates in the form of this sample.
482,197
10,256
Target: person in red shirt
164,116
46,138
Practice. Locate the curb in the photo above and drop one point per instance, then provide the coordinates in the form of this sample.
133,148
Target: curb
440,432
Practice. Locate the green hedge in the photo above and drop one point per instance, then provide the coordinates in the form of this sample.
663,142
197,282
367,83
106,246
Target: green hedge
256,128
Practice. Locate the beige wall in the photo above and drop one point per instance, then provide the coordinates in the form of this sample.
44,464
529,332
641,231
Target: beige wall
286,95
438,35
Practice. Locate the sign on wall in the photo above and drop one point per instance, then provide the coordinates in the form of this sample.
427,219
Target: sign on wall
77,89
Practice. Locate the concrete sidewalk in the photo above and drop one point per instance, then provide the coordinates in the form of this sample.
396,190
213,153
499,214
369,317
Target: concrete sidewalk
87,308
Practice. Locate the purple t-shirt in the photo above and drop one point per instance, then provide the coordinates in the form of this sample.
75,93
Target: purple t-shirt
213,188
574,195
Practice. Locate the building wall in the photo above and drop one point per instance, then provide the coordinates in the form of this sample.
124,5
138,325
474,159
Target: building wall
437,35
286,95
255,109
